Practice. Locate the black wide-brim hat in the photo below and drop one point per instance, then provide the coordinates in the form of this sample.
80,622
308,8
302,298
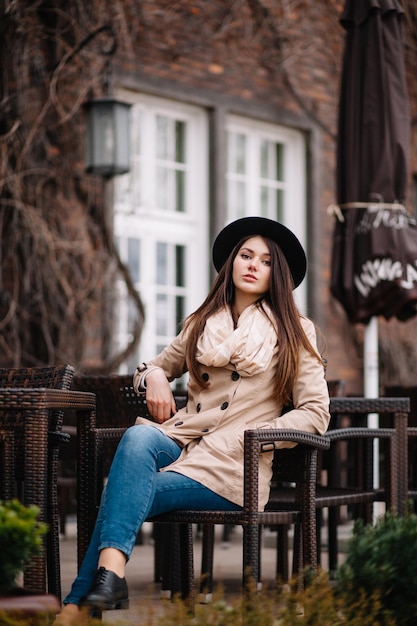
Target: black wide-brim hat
234,232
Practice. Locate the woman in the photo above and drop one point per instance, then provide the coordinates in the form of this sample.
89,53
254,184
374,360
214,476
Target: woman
249,353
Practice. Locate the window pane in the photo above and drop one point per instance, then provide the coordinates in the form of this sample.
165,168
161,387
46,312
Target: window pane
133,258
265,194
236,153
161,314
179,310
180,142
132,363
264,164
136,138
272,202
136,182
161,263
162,139
236,198
280,205
240,154
132,313
170,139
162,187
279,155
180,191
180,266
170,179
271,165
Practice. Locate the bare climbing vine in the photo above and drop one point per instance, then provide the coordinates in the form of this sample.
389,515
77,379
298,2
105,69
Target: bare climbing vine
58,260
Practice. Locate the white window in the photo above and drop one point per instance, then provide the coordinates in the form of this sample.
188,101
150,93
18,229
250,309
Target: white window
161,220
266,176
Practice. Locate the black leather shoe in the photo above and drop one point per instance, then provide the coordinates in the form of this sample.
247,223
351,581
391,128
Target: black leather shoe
108,591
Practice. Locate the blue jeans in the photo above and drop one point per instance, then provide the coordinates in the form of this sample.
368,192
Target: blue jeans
136,490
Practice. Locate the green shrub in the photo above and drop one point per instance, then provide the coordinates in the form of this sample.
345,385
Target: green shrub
20,540
382,563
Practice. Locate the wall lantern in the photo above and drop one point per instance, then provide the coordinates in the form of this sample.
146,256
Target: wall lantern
108,137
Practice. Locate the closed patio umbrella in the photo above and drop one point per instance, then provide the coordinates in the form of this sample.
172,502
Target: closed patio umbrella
374,258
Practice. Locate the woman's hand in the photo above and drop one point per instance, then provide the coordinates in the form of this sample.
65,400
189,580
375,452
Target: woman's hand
159,397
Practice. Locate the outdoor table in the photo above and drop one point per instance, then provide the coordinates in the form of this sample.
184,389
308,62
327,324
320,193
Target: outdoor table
33,405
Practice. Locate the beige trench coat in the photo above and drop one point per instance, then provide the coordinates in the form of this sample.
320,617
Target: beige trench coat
210,428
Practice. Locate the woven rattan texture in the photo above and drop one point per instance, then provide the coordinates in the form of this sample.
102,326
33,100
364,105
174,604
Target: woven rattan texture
23,457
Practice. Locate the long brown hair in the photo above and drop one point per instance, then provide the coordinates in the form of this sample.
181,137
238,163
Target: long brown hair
286,318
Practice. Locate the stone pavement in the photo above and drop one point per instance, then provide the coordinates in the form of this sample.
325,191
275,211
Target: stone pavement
140,570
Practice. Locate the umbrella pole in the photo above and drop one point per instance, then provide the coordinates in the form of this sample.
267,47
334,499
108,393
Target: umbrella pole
371,389
370,363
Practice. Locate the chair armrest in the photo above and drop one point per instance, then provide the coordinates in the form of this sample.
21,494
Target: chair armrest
269,436
253,440
369,405
359,432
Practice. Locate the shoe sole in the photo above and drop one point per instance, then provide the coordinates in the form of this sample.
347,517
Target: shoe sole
109,606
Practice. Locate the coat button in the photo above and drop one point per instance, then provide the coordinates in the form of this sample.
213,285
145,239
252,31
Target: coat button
198,407
224,406
178,423
205,430
235,376
205,377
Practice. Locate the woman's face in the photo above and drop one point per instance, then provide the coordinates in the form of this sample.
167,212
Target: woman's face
252,269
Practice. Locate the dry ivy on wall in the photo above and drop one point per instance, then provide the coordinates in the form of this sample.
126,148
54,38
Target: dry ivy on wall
58,262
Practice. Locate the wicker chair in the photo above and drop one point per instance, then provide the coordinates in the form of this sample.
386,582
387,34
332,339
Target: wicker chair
410,392
352,486
16,459
350,465
298,466
281,496
359,488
